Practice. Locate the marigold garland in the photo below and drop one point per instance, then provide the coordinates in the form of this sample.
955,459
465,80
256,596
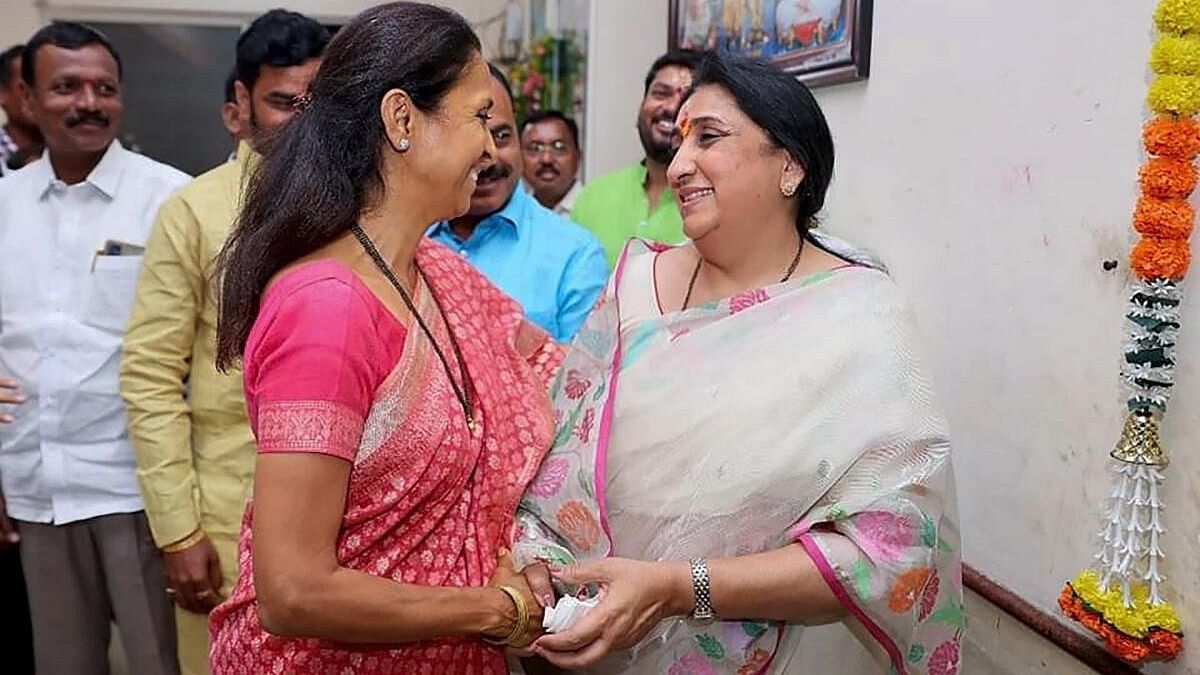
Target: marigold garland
1177,17
1168,178
1170,136
1155,258
1153,643
1176,54
1164,218
1178,94
1120,599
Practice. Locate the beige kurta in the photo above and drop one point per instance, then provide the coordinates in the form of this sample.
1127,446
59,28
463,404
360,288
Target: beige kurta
194,448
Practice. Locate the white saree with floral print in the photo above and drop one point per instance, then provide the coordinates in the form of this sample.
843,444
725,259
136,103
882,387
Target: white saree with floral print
796,414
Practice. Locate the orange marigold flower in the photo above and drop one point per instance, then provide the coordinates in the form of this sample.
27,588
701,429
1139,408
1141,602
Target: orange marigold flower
1129,649
1066,600
908,589
1155,258
1168,178
579,525
1168,136
1164,218
1092,622
1166,645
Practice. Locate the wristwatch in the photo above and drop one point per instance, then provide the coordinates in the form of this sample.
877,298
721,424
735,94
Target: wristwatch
702,612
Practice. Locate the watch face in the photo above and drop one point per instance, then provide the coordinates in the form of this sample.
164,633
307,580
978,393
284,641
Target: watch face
702,620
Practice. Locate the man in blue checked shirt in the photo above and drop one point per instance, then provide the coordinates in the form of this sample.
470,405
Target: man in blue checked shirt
553,267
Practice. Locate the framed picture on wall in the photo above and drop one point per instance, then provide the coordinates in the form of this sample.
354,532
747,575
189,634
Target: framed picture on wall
821,41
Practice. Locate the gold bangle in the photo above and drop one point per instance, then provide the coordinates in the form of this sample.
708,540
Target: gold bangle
522,623
185,543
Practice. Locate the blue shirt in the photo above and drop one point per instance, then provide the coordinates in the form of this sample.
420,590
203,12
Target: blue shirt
553,267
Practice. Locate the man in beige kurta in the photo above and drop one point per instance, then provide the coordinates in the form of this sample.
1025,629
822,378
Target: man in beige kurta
194,448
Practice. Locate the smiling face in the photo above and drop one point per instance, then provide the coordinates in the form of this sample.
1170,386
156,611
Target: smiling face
498,181
727,172
452,146
660,107
76,98
551,159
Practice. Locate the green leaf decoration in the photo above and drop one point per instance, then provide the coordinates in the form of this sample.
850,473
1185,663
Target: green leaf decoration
916,653
944,546
755,629
565,429
712,647
951,615
861,572
929,532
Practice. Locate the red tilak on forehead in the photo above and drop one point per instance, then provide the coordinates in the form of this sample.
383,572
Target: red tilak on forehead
685,126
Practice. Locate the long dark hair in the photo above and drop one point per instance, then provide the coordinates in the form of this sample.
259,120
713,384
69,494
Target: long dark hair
784,108
323,169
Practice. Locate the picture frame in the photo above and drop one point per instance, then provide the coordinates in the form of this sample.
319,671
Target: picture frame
823,42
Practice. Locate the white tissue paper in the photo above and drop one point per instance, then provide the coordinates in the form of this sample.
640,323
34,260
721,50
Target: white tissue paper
566,612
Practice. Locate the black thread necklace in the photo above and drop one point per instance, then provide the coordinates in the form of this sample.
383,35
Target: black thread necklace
700,261
465,393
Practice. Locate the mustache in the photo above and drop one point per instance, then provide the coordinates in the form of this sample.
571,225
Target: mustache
548,167
77,117
495,172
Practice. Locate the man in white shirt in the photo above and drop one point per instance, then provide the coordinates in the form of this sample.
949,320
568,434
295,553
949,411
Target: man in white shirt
72,225
550,143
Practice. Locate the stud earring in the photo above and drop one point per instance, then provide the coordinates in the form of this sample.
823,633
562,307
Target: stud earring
403,145
788,188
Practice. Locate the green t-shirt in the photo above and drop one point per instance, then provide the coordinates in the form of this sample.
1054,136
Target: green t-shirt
615,208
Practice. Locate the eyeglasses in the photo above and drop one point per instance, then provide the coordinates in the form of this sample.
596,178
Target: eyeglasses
556,148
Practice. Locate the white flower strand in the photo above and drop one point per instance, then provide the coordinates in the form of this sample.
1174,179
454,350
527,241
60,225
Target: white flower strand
1130,549
1159,288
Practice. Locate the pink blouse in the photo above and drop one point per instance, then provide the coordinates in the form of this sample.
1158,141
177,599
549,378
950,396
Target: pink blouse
329,369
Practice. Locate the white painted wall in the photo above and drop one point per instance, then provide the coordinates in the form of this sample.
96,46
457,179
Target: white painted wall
626,37
992,159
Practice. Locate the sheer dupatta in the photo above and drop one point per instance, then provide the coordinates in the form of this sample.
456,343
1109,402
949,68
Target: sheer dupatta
796,413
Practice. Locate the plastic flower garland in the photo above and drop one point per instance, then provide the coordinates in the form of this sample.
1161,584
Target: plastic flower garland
1120,597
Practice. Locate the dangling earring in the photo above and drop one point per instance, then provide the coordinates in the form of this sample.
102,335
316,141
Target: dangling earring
403,145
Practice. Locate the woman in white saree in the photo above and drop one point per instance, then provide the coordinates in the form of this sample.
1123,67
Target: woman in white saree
746,433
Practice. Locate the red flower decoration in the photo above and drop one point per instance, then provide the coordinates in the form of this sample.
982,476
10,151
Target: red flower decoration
743,301
578,525
576,385
583,428
929,598
945,660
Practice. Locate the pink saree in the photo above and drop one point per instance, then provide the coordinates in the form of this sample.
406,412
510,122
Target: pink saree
330,370
798,413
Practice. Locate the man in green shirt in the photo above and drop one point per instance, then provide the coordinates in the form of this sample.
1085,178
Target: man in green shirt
636,201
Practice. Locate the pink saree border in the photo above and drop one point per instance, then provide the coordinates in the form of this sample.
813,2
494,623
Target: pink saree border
827,572
601,467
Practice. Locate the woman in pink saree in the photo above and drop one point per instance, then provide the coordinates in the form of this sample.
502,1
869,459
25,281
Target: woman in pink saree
751,470
398,398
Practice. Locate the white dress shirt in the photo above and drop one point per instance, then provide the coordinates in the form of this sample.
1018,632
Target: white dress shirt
63,309
564,205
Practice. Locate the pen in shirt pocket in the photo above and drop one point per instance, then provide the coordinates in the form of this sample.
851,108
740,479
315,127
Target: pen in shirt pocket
114,248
